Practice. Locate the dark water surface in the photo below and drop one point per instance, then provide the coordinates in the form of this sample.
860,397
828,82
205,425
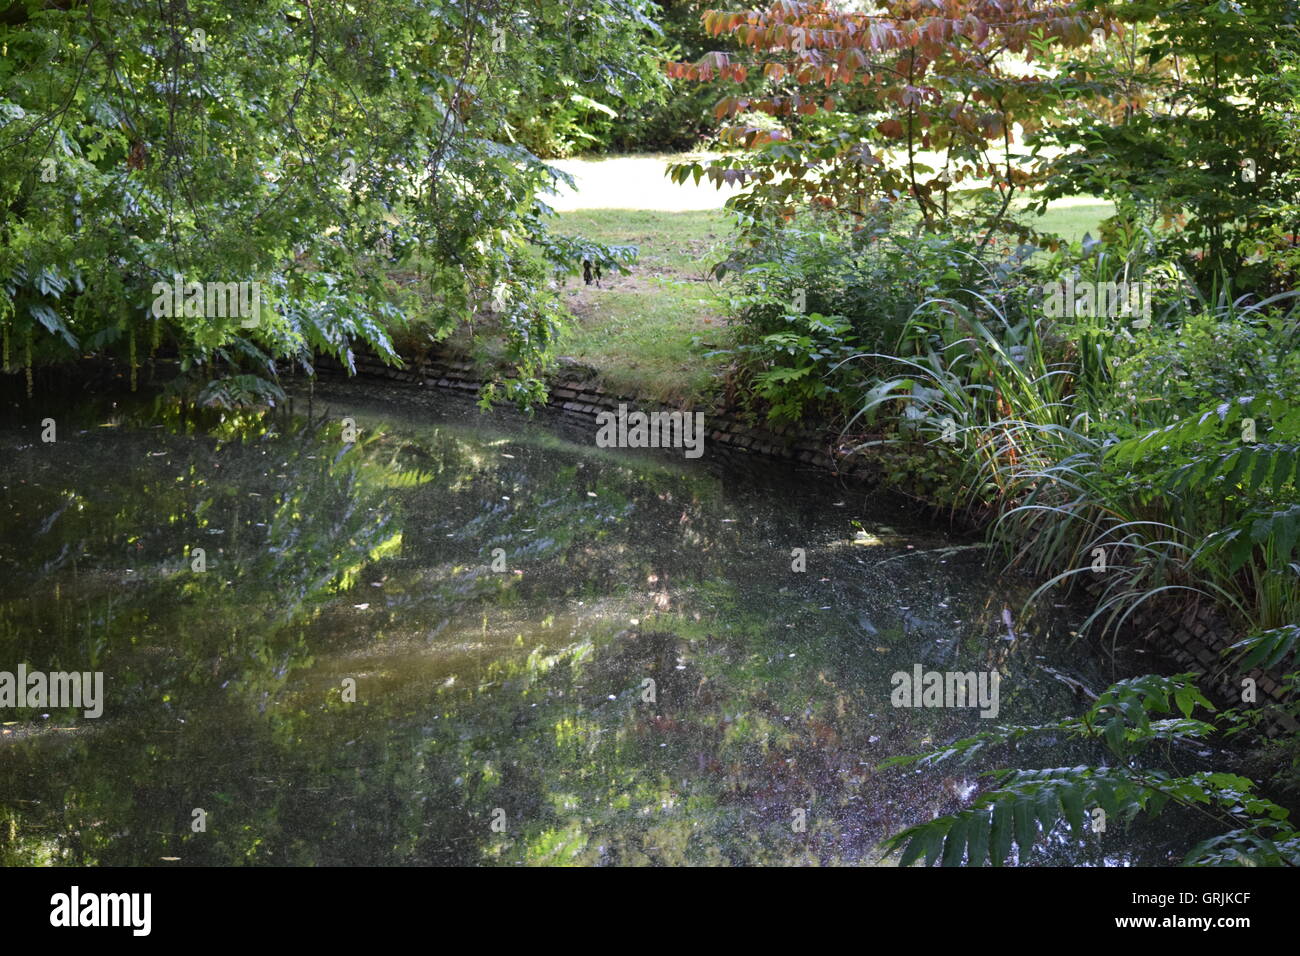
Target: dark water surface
646,680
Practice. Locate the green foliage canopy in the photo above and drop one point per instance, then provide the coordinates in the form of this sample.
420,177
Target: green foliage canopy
350,159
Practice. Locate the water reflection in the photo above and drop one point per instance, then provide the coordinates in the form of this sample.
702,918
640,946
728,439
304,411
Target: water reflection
464,640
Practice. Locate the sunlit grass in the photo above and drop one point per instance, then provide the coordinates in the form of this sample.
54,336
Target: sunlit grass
646,332
1073,217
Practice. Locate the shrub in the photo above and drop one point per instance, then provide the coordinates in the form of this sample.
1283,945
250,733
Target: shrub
810,295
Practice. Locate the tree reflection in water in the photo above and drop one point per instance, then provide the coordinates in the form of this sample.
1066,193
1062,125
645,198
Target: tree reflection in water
522,696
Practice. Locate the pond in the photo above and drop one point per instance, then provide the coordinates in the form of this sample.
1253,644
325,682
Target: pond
469,638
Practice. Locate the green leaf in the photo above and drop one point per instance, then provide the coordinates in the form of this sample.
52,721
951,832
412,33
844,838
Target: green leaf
1000,834
1072,804
954,847
977,837
1026,826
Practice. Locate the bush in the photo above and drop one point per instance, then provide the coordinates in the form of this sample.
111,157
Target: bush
1204,360
810,296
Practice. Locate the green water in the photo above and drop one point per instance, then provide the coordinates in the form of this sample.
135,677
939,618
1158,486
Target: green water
645,679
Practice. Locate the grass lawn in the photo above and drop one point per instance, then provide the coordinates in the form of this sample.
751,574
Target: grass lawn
646,332
1074,216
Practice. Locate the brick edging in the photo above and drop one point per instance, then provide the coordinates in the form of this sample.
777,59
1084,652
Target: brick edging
1198,638
577,392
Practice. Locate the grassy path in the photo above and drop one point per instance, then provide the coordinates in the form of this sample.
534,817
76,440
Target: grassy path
647,331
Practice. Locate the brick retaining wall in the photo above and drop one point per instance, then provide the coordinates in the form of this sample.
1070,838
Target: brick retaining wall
576,392
1197,637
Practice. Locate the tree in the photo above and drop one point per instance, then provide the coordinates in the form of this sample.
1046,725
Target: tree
345,159
923,99
1192,137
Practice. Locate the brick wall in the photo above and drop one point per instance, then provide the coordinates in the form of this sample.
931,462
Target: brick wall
576,393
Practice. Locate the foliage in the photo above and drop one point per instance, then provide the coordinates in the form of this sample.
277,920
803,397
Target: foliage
1208,357
1194,131
811,296
1229,476
677,114
1071,442
1182,113
907,99
564,80
797,301
1128,720
317,151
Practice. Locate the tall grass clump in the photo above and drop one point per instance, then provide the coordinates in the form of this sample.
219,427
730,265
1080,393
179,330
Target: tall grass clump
1058,439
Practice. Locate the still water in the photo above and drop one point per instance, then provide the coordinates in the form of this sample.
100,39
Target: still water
475,639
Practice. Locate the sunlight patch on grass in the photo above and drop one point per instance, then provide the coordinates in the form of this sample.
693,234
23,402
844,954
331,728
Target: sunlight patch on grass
646,332
623,182
1073,216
